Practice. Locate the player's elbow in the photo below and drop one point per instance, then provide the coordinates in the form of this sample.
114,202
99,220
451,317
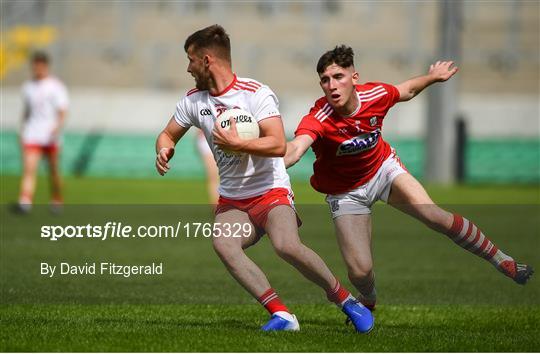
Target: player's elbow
411,95
406,91
407,95
280,150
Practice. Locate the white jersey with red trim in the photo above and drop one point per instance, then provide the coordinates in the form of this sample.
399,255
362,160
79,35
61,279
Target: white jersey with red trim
42,99
241,176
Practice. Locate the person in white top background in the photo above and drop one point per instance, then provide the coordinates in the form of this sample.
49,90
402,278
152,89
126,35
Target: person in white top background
45,101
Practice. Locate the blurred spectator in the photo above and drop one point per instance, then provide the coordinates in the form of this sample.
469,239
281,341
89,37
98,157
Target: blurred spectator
45,102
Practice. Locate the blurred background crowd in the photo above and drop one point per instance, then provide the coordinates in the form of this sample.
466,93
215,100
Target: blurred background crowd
125,68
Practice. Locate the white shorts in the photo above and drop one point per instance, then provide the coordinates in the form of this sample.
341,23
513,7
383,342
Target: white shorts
39,134
359,200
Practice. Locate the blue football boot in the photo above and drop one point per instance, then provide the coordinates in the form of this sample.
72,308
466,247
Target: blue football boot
359,315
278,322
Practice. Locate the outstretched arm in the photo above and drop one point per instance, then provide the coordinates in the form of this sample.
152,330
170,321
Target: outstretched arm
165,144
296,149
438,72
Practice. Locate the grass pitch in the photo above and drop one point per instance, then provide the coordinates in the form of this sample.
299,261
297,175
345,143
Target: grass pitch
235,328
433,296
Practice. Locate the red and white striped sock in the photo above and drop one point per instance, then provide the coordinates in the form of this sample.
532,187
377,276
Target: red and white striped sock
271,302
468,236
338,294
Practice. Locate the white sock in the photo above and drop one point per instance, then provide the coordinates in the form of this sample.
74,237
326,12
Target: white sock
285,315
350,297
25,204
500,257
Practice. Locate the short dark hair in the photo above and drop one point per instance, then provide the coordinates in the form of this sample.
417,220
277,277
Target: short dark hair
341,55
40,57
211,37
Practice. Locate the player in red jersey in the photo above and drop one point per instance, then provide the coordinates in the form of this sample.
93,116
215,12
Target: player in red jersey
355,167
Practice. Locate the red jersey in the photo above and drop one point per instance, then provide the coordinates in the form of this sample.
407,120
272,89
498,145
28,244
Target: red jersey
349,150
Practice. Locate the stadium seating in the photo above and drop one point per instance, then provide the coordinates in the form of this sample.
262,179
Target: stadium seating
488,160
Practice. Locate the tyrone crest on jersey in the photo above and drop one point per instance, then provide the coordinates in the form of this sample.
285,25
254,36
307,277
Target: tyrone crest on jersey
220,108
359,143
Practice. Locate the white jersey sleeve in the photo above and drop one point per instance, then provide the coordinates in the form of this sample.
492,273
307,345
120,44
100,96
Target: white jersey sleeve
184,112
61,99
264,104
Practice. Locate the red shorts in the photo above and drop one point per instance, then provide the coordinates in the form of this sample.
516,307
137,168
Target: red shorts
258,207
44,149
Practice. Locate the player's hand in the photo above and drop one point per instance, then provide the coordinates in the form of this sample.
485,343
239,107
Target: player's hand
442,70
227,139
55,133
162,160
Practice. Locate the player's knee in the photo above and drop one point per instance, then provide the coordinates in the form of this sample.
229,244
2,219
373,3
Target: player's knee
288,250
54,169
29,170
224,249
54,174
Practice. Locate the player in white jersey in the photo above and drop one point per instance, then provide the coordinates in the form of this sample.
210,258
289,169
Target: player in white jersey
241,176
254,186
45,106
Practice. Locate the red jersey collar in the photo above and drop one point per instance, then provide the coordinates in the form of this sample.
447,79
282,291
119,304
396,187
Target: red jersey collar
226,89
356,110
